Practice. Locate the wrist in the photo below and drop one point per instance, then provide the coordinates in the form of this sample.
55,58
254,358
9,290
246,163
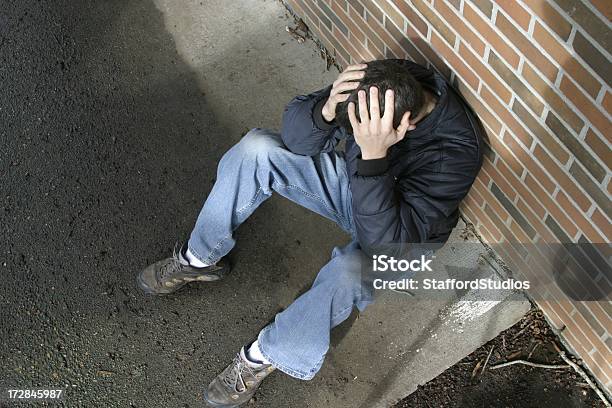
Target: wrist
373,154
328,117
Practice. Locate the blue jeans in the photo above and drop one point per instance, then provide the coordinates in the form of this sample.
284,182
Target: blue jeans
298,339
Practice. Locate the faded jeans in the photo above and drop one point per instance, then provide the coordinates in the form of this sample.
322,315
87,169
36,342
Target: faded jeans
298,339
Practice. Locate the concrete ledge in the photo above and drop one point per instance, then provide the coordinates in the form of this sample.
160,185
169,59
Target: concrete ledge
403,341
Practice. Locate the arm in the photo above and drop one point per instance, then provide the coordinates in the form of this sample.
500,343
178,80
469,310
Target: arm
309,125
303,129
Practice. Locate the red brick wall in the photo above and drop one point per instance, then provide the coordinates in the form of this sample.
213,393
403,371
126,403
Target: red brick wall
539,75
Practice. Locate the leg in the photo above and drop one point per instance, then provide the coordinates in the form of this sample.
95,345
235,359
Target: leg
248,174
298,339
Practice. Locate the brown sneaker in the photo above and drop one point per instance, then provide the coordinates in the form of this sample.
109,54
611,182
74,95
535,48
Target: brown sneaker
170,274
237,384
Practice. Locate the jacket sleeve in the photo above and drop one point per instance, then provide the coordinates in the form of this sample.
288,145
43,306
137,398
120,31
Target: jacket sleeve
303,129
388,221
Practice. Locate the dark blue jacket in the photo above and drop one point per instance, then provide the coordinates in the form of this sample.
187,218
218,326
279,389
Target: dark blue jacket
413,195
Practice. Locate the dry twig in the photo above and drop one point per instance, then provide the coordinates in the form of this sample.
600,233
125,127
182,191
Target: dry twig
584,375
533,349
487,360
529,363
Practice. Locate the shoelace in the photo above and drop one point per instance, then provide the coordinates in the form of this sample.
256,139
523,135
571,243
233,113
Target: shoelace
234,376
172,266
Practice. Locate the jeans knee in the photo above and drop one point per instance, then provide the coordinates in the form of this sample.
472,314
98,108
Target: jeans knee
259,141
343,271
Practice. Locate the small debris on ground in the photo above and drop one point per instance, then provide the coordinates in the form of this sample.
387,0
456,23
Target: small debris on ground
299,32
549,379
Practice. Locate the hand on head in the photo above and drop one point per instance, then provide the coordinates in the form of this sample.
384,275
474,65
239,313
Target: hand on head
374,133
347,81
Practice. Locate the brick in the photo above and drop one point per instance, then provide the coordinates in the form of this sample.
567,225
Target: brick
594,191
556,102
372,29
519,233
439,24
463,70
513,211
515,83
475,197
484,72
561,177
550,205
558,231
401,44
597,311
425,48
598,366
534,219
590,319
465,33
528,198
598,254
575,146
485,6
356,50
333,17
586,106
310,15
599,147
455,3
604,7
526,158
589,331
374,11
593,57
413,18
391,13
551,17
576,331
357,6
487,235
566,60
578,217
548,309
488,195
501,180
486,31
486,222
575,343
382,32
354,29
333,40
483,112
497,221
541,133
589,21
524,44
509,162
489,150
607,102
516,12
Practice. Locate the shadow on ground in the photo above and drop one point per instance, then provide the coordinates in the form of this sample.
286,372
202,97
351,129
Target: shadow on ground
108,148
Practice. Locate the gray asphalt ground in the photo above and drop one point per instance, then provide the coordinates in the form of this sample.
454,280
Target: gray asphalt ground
113,116
109,142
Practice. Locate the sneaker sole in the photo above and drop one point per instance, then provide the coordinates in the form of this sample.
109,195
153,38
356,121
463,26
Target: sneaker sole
150,291
213,404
